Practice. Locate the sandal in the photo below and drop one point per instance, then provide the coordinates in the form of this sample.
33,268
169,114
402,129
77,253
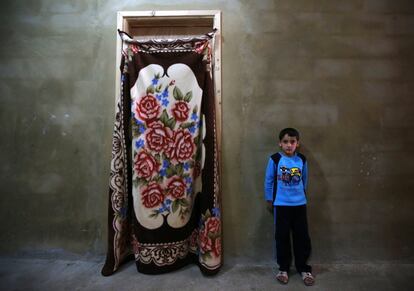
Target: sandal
282,277
308,278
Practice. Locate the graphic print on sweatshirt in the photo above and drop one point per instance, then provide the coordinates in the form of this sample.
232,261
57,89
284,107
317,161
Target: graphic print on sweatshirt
290,176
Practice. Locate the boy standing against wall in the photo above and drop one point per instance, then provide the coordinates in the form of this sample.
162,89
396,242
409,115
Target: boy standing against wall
285,190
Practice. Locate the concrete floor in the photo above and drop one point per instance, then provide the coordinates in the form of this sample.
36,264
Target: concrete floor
84,274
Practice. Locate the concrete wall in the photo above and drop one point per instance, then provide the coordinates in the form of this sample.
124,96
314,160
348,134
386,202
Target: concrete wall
340,71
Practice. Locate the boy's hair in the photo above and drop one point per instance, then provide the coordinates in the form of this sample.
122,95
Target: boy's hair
290,132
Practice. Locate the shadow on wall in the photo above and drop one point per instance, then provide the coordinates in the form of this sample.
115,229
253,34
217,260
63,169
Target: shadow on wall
319,212
50,148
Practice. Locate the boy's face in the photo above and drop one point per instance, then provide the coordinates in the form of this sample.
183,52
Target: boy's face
288,144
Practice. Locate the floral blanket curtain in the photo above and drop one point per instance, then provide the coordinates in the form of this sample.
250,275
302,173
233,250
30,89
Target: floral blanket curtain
164,203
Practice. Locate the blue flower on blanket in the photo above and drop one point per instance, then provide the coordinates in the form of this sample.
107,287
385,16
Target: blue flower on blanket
216,212
163,173
192,129
186,166
165,102
168,202
138,122
140,125
165,165
155,80
163,97
194,116
165,206
188,180
139,143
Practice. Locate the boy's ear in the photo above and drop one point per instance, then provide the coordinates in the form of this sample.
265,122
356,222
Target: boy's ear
298,144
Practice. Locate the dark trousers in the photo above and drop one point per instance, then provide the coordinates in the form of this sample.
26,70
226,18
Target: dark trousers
292,219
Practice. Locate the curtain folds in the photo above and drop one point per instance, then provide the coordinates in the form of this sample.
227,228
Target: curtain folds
164,200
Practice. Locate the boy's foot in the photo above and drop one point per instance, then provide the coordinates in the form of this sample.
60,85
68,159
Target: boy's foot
282,277
308,278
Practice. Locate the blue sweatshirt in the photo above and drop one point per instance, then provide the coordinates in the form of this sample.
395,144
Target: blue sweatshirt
287,179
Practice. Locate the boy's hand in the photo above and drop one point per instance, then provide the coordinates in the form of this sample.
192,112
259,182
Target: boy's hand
269,206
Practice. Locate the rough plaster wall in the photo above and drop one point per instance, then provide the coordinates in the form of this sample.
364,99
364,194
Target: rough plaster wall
340,71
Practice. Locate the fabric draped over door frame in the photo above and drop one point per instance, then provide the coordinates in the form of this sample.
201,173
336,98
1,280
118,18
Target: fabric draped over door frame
164,200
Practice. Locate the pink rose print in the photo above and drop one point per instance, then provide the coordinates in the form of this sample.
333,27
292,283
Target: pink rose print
148,108
181,111
181,147
176,187
205,242
184,145
152,196
217,247
145,165
157,136
169,148
213,225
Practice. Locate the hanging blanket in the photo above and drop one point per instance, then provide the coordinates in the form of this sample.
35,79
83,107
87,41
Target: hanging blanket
164,206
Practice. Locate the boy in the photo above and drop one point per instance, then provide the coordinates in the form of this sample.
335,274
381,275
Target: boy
285,189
